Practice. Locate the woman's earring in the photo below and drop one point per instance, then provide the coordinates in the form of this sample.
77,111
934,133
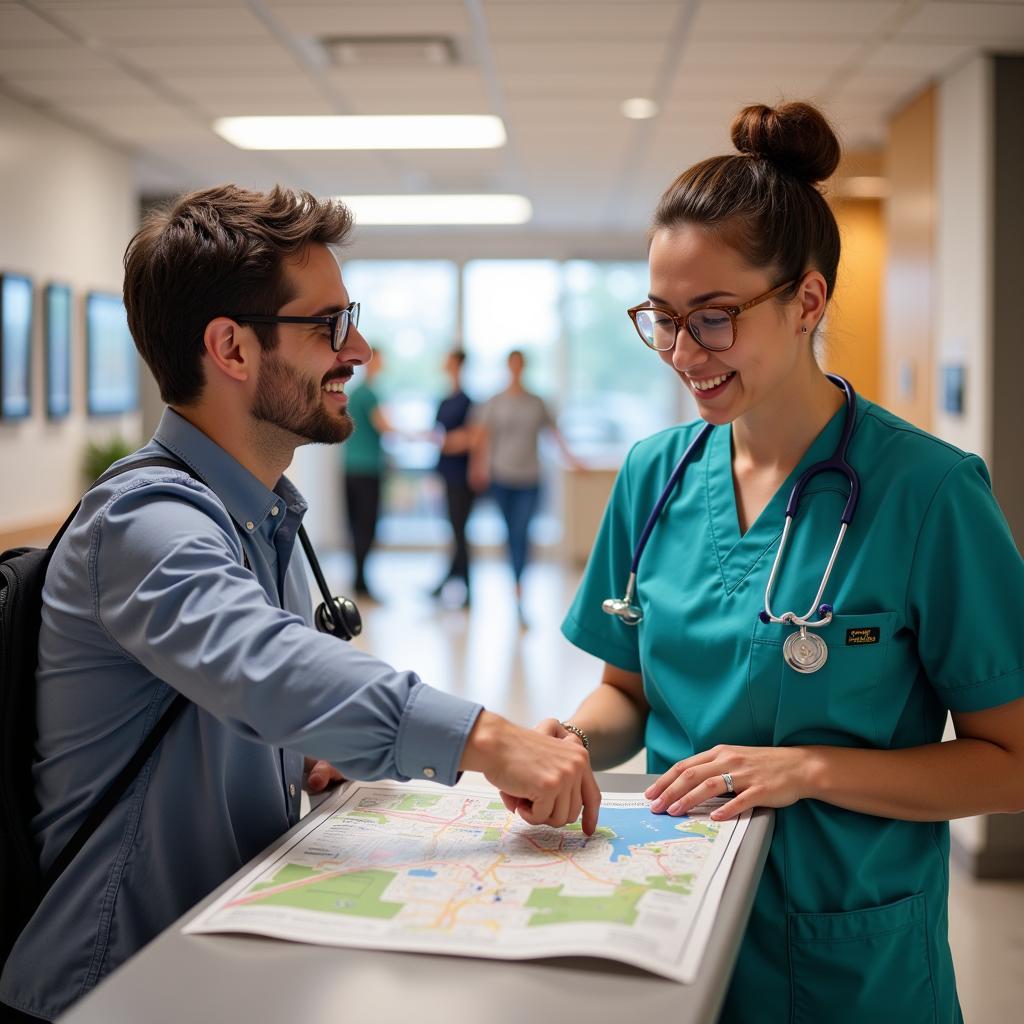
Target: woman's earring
803,330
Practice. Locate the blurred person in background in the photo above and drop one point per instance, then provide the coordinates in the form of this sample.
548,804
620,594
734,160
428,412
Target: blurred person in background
505,460
363,464
452,420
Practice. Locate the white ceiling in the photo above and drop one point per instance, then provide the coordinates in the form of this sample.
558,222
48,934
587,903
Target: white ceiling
151,75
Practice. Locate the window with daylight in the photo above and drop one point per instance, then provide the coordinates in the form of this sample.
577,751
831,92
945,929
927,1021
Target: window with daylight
583,357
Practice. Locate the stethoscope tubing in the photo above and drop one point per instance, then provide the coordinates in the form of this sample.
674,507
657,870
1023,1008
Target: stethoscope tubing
838,463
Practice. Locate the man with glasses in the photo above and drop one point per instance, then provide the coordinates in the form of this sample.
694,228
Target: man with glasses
183,581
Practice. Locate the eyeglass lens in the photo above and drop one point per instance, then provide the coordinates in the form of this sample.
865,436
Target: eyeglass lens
711,328
341,325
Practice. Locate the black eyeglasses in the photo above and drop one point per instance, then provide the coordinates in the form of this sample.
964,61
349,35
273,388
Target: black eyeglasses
339,322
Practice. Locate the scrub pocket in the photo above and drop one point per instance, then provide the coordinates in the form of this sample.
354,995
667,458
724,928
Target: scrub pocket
863,965
838,703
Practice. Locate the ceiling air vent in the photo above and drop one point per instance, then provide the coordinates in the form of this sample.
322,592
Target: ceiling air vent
390,51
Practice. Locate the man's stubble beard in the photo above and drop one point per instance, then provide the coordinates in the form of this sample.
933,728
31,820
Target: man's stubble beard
292,403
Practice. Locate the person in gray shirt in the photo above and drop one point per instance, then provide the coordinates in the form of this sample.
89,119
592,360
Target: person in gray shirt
505,460
164,585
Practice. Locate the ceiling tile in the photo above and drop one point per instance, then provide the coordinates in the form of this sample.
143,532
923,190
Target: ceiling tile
206,57
190,20
754,19
922,58
66,60
112,87
781,55
370,19
20,26
579,24
217,90
967,22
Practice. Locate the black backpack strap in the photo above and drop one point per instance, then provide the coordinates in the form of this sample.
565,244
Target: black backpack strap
127,774
114,793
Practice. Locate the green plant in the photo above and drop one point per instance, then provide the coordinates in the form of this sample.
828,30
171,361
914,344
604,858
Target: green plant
99,456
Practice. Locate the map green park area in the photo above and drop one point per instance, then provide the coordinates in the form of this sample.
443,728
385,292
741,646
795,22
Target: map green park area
421,868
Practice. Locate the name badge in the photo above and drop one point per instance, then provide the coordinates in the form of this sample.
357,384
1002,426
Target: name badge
864,635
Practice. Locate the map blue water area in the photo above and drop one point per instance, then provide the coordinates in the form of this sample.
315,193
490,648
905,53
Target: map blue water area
423,873
636,825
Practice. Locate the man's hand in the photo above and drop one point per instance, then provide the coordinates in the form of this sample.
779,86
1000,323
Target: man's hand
320,775
547,780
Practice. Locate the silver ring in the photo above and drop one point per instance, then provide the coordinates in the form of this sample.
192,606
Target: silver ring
729,787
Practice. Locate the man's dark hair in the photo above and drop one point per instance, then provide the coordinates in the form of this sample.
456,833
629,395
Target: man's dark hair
216,251
459,355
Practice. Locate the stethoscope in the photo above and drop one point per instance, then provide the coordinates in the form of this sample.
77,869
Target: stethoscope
338,616
803,651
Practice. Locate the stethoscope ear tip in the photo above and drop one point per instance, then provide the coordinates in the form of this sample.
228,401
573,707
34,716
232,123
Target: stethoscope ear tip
764,616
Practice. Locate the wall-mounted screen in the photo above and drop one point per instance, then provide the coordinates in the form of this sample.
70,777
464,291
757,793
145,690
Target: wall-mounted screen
112,364
57,321
15,346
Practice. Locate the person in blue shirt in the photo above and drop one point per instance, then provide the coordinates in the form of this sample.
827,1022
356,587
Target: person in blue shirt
452,421
849,922
165,585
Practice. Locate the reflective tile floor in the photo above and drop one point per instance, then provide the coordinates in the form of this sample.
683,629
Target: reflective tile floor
528,672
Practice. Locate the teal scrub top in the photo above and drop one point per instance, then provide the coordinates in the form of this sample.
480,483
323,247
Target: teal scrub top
850,918
362,452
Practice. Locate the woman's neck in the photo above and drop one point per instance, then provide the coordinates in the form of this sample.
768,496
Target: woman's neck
775,435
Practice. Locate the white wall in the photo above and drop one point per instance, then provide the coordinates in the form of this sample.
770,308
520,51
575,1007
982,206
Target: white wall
964,250
67,210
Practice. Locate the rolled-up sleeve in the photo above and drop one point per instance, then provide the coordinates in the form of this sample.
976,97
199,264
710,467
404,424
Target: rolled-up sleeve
171,591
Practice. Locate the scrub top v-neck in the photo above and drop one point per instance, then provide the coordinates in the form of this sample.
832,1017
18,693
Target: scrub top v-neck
850,915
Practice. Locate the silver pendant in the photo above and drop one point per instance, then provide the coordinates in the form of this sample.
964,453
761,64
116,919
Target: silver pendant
805,652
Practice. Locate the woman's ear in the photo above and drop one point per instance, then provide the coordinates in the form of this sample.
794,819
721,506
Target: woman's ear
812,295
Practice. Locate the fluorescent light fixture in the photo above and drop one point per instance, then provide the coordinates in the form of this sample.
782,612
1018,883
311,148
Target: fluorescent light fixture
429,131
639,108
439,209
863,186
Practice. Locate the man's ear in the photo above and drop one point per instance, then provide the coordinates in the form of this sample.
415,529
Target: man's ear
231,349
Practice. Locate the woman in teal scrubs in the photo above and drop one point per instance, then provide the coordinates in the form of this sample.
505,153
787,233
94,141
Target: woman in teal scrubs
850,919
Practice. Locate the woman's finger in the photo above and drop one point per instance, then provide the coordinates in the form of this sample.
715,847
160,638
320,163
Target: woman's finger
687,781
655,789
707,790
738,804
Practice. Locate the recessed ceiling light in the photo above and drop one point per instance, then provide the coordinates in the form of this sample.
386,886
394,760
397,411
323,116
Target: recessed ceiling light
639,108
429,131
439,209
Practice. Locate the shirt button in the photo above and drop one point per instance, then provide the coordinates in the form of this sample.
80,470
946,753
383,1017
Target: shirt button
274,511
250,525
429,773
291,789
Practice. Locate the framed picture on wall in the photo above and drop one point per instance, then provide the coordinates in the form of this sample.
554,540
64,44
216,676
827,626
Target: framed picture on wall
15,346
57,329
112,364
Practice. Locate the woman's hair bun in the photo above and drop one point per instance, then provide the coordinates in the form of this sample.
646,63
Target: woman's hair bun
795,137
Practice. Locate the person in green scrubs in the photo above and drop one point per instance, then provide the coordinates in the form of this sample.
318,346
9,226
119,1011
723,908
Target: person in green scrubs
850,917
363,465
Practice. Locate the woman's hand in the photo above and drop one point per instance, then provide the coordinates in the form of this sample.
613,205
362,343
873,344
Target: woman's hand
761,777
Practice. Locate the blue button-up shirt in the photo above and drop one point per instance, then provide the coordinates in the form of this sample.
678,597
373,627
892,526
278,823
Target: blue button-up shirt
148,595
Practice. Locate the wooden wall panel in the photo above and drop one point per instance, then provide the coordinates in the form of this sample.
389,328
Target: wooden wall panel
908,318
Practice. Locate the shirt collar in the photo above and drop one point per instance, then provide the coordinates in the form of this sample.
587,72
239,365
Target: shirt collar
248,501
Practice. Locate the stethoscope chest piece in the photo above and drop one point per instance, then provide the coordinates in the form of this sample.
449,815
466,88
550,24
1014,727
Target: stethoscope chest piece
804,651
